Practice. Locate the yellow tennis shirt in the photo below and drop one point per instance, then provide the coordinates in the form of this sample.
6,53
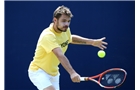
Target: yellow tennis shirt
44,58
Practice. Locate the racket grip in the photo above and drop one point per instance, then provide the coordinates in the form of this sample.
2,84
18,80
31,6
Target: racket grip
83,78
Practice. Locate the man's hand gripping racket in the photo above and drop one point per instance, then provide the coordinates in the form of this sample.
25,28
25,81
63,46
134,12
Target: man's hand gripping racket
109,79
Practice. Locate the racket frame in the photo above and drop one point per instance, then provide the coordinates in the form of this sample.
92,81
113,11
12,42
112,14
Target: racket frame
99,76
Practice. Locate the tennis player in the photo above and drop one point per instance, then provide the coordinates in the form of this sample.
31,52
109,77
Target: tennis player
50,51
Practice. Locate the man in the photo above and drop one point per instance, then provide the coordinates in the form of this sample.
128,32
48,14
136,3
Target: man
50,50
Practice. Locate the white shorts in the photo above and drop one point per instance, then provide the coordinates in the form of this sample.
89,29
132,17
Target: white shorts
42,80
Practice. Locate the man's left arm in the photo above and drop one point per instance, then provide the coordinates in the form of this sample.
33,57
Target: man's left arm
86,41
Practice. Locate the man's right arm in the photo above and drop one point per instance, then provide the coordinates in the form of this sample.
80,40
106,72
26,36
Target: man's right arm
66,64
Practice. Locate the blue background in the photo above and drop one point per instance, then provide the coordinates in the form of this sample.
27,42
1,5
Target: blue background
25,20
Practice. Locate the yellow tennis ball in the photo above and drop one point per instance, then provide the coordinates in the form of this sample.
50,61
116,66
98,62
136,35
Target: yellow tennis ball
101,53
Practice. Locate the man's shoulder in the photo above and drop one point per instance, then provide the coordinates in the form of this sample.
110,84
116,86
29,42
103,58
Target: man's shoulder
47,34
47,31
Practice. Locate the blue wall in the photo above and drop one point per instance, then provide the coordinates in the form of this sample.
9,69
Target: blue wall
24,21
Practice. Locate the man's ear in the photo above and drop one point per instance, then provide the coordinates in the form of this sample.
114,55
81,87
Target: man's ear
54,19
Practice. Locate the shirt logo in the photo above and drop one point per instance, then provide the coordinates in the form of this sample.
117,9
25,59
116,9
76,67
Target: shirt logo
64,44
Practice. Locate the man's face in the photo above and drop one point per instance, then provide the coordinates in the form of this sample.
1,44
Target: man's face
63,23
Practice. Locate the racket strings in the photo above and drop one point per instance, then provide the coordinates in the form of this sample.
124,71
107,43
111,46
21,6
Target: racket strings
112,79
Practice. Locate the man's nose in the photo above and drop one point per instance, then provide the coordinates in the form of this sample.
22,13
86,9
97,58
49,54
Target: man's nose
67,23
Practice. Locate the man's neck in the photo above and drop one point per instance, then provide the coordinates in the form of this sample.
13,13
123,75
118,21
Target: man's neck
55,29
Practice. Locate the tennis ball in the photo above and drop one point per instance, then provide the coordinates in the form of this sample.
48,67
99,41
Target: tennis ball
101,53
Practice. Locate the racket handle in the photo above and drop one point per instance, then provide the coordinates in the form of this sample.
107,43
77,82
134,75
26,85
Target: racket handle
83,78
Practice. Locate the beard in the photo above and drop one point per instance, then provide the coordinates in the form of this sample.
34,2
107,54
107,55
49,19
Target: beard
61,29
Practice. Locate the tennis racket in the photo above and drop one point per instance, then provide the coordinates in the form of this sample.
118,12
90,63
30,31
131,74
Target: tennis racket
109,79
